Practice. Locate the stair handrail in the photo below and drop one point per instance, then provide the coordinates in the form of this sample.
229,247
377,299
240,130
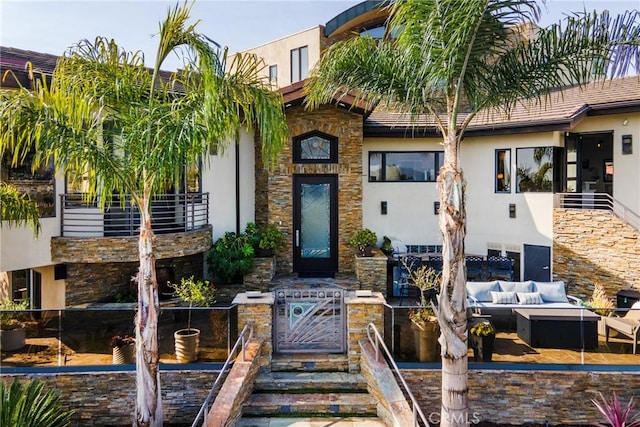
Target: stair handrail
377,342
244,337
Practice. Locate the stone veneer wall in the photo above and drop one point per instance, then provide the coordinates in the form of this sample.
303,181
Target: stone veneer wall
502,396
274,201
372,272
530,396
594,246
97,282
108,398
361,312
125,249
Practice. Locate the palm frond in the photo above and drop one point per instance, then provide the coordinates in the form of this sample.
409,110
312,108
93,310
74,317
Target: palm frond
17,208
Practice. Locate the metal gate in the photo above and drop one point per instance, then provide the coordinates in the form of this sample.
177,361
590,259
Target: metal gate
309,321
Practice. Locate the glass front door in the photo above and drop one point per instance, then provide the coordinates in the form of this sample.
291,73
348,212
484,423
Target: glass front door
315,225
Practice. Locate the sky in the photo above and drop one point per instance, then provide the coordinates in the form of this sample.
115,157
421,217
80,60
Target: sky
51,26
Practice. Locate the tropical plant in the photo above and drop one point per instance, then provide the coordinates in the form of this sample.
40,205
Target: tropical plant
199,293
363,238
230,257
386,247
615,414
599,302
29,404
103,115
13,314
449,60
265,240
17,208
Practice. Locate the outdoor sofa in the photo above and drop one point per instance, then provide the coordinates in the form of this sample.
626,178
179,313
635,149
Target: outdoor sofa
499,298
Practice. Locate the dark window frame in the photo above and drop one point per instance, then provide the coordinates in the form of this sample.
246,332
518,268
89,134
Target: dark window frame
333,147
297,72
497,171
438,162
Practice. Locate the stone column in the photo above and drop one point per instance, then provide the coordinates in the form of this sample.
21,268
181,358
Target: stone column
360,312
372,272
259,309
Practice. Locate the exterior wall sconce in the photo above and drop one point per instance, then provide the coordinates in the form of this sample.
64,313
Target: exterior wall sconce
626,144
383,208
436,208
512,210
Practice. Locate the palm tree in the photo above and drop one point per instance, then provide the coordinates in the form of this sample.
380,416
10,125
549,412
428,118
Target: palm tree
17,208
132,130
449,60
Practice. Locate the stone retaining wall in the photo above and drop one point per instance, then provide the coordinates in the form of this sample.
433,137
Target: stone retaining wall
531,396
594,246
499,396
372,272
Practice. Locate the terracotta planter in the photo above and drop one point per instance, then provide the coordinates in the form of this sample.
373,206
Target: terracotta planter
12,339
187,343
124,354
426,341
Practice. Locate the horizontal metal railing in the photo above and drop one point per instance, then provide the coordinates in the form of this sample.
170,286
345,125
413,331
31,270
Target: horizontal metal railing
171,213
602,201
238,348
377,342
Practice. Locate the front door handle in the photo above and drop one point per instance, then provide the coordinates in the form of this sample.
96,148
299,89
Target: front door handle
297,238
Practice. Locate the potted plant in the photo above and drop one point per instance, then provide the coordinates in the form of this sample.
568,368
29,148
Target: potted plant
482,337
600,304
123,349
231,257
364,240
386,246
423,319
13,333
199,293
265,241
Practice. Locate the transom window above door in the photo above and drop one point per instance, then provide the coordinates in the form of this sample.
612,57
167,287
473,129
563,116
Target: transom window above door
315,147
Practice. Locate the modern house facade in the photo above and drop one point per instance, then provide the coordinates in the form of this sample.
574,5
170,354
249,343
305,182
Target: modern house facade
347,167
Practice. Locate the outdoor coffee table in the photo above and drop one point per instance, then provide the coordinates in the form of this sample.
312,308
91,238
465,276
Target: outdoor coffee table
558,327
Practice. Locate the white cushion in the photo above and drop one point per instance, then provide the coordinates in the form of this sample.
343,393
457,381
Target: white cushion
529,298
503,298
551,291
481,291
516,286
398,246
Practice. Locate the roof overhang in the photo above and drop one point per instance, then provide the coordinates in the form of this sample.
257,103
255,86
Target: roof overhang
293,95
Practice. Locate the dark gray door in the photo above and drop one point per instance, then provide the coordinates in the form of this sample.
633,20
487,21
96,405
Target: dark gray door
537,263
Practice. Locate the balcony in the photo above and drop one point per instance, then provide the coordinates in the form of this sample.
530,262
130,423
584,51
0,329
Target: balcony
172,213
90,235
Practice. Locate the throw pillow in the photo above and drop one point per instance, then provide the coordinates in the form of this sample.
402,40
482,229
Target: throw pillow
551,291
529,298
504,298
516,286
481,291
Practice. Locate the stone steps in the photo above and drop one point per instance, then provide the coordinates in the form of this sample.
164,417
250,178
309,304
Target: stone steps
310,422
310,390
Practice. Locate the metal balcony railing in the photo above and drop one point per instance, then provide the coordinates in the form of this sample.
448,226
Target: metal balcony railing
597,201
171,213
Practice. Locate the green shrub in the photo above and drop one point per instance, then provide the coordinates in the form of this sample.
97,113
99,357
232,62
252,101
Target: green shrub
13,314
29,405
231,257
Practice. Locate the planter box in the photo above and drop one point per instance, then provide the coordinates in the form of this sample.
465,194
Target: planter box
263,270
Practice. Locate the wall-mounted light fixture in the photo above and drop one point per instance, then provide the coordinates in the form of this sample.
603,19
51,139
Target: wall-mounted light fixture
512,210
627,144
625,122
436,208
383,207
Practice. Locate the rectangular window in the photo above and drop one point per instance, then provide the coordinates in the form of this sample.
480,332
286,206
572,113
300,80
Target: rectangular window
299,63
415,166
534,169
503,171
273,73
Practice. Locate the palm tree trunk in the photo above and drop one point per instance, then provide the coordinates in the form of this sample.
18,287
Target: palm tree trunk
149,400
452,314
